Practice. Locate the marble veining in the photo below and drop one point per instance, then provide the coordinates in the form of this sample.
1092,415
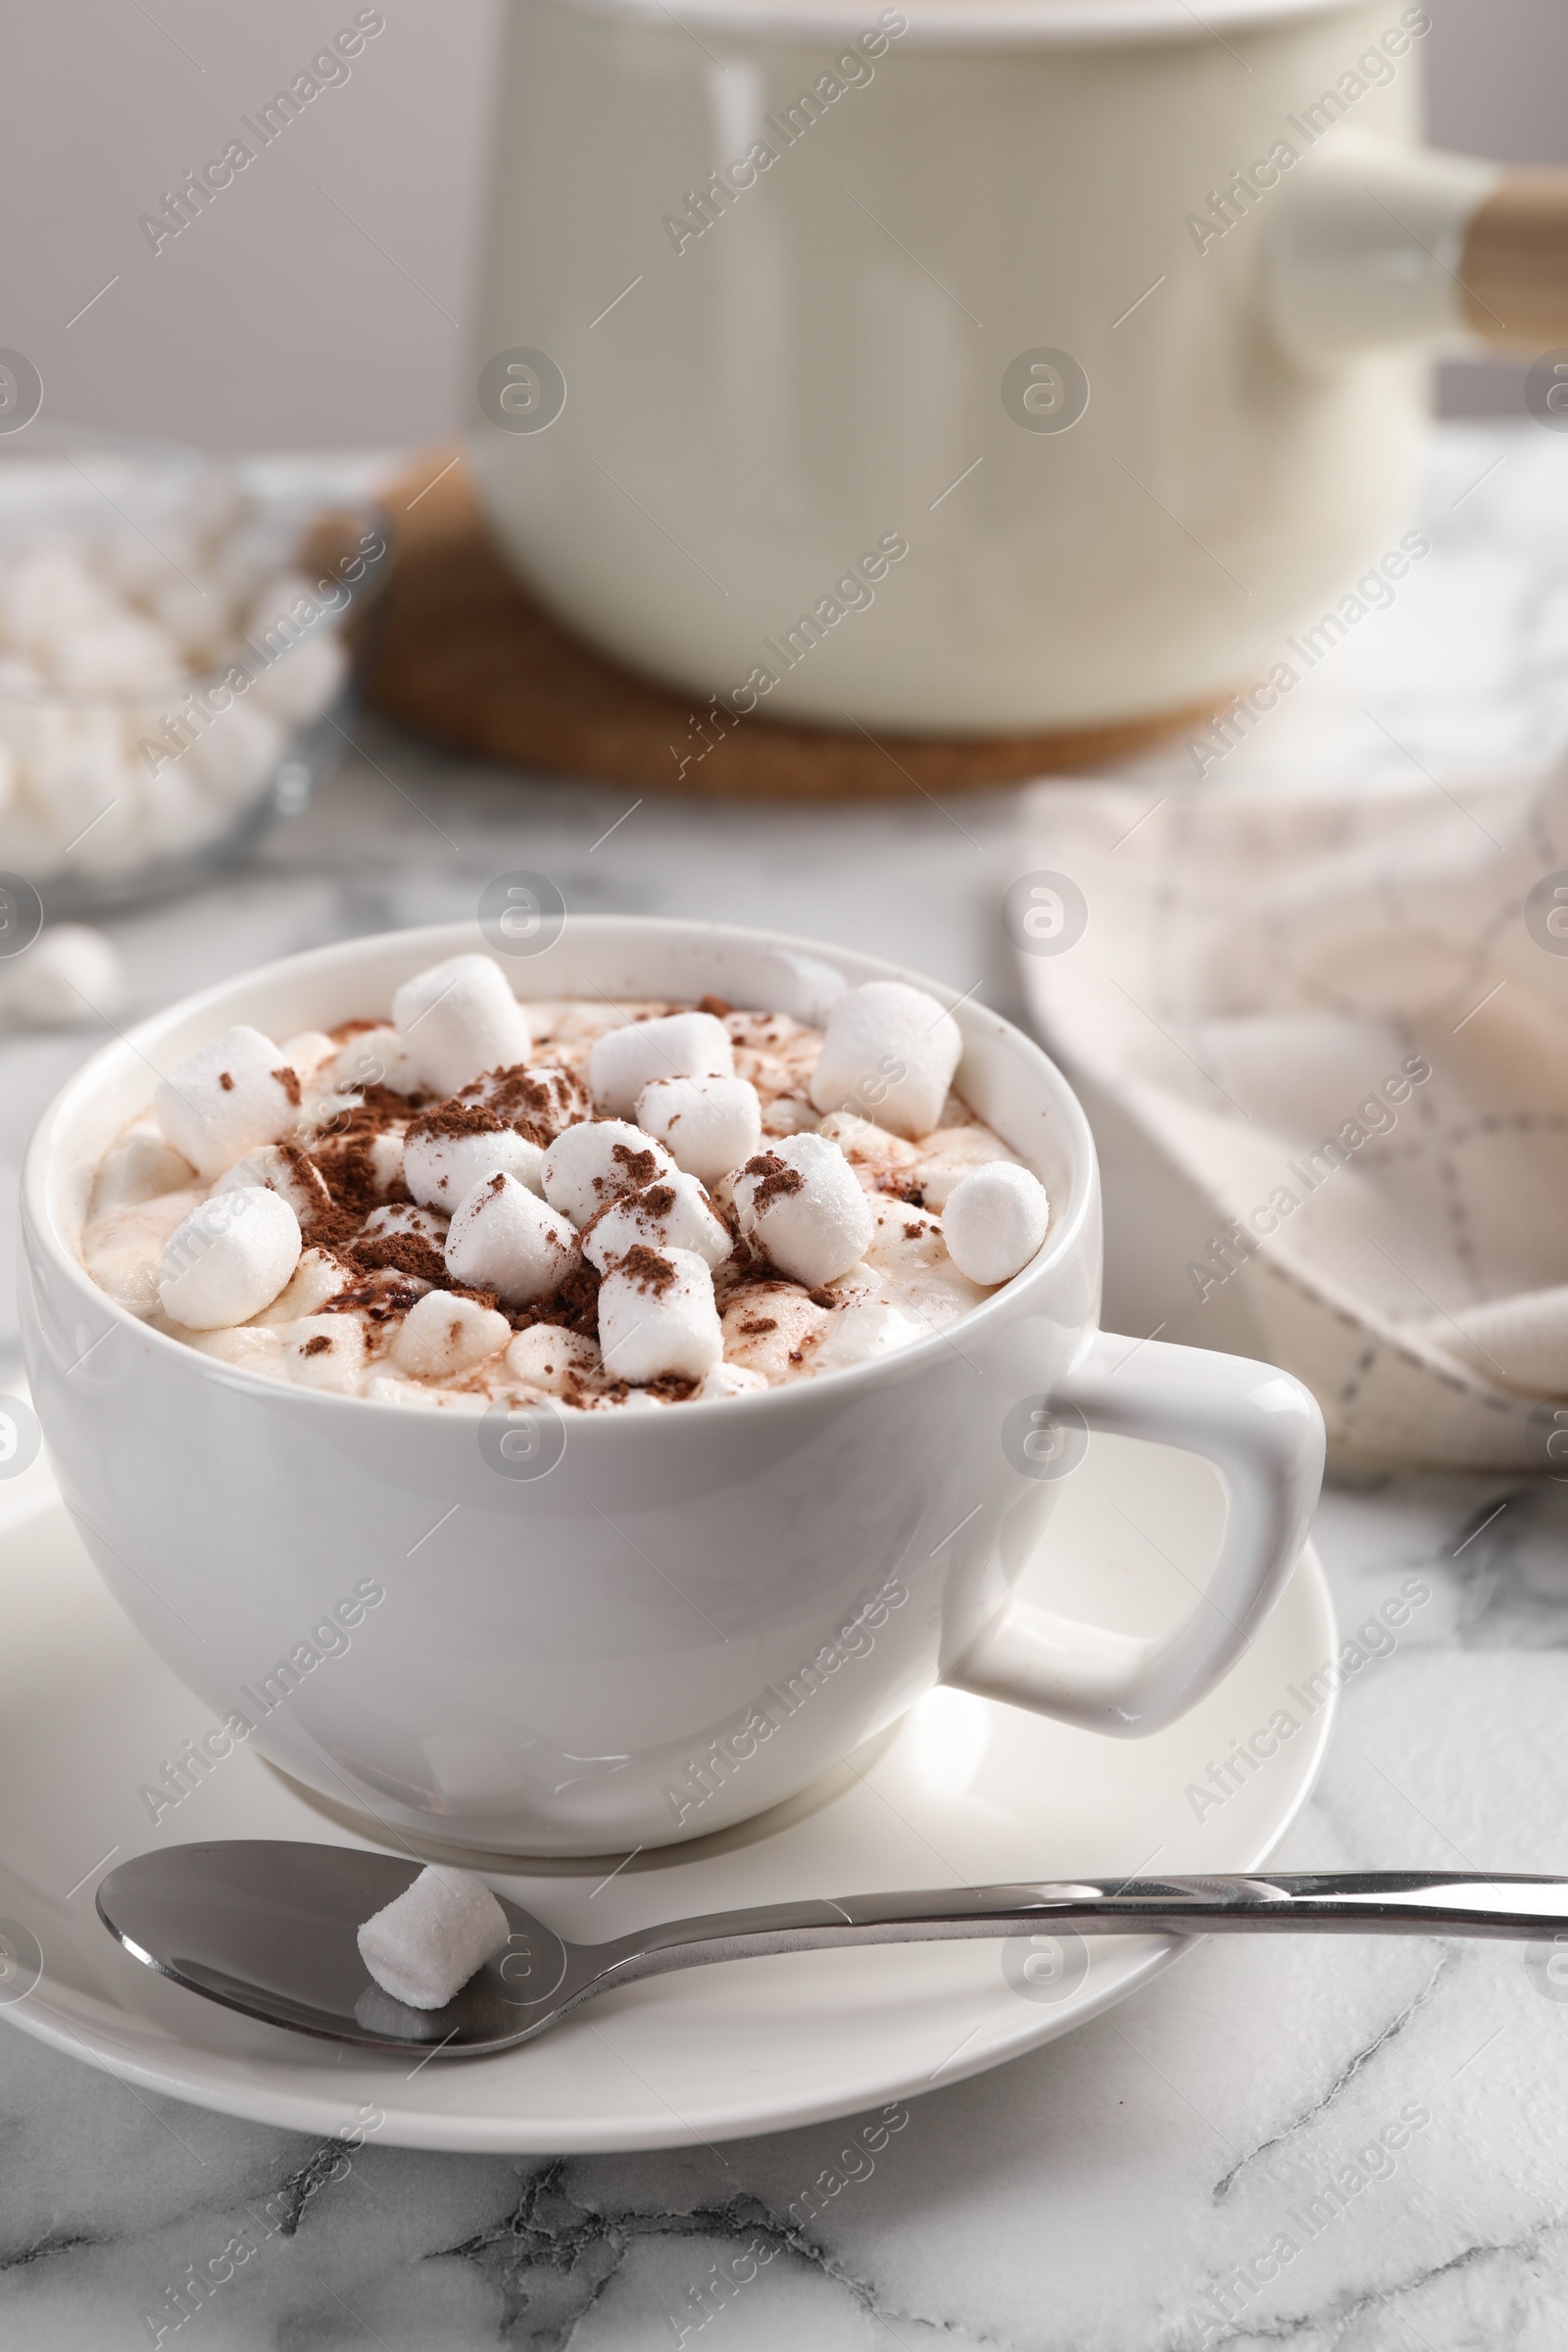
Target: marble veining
1133,2188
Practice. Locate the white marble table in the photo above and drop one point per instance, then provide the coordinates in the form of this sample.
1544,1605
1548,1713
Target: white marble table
1126,2189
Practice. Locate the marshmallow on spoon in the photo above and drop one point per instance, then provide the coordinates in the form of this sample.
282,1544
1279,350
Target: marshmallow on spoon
675,1213
679,1045
594,1162
234,1094
229,1258
504,1239
656,1317
710,1125
458,1019
424,1947
448,1152
994,1222
801,1204
888,1053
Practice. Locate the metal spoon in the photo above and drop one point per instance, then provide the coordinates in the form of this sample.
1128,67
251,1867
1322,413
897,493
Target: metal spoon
269,1927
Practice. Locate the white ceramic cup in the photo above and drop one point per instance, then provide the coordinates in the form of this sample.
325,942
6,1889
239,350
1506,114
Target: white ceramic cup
751,379
693,1611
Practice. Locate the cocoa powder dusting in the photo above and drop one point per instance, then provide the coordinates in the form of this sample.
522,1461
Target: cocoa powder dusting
289,1081
776,1179
574,1306
648,1269
377,1299
538,1103
638,1167
457,1119
399,1254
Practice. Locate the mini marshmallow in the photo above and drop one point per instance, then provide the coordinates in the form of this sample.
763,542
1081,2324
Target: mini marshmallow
70,975
888,1053
237,754
799,1203
83,774
459,1018
442,1334
672,1214
596,1161
680,1044
504,1239
306,1051
139,1167
47,593
448,1152
246,1345
234,1094
315,1280
125,1249
190,615
325,1351
176,812
861,1333
547,1356
656,1317
541,1102
229,1258
712,1125
112,655
285,1169
437,1934
995,1221
300,685
371,1058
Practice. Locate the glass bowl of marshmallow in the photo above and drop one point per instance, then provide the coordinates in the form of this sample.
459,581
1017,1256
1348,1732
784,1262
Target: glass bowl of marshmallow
174,666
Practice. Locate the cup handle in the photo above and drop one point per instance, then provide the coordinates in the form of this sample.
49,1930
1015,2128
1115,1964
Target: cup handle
1263,1432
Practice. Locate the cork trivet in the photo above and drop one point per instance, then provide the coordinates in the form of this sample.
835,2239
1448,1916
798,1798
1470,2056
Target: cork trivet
460,650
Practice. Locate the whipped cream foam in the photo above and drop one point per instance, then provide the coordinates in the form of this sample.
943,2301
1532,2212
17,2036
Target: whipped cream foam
387,1210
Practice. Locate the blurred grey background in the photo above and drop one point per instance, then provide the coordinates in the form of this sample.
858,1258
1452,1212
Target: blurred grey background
320,302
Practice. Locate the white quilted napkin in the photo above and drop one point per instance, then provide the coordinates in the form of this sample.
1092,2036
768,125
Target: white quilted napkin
1325,1048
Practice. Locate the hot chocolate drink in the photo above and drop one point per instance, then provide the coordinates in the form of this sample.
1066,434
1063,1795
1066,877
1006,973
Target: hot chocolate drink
478,1201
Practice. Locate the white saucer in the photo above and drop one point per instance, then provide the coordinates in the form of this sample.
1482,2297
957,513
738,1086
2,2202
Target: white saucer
961,1791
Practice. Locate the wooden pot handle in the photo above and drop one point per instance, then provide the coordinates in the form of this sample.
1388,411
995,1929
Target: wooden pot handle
1513,266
